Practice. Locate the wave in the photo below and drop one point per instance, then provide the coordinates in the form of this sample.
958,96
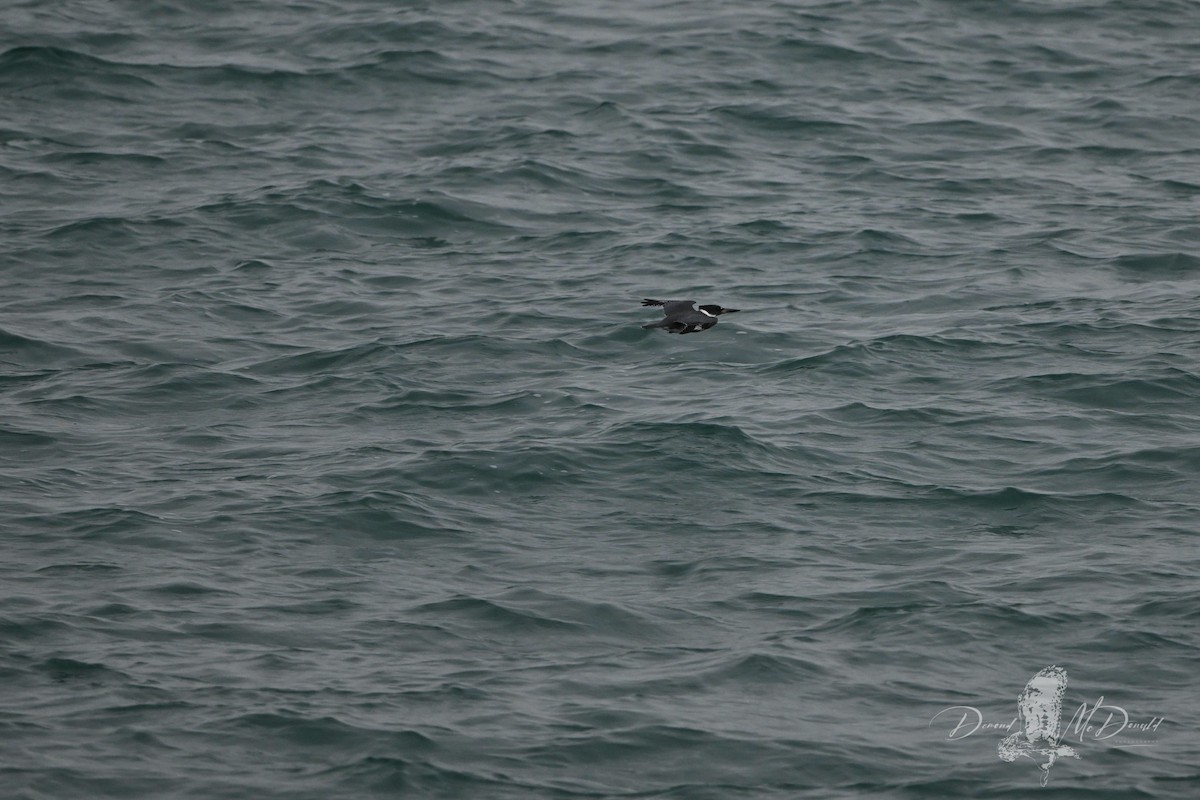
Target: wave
1163,389
346,209
57,71
35,352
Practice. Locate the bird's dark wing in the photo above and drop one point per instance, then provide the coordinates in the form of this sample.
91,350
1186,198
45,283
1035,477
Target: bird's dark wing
671,306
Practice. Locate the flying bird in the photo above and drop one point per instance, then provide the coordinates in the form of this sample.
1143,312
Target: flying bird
682,316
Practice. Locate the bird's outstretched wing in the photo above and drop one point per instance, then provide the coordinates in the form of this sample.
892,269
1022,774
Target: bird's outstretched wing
671,306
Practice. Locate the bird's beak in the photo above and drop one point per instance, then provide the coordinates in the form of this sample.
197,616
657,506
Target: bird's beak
729,310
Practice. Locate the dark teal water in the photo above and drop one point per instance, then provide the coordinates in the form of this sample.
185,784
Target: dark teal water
334,462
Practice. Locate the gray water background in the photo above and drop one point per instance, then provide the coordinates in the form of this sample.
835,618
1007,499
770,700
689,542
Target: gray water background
334,462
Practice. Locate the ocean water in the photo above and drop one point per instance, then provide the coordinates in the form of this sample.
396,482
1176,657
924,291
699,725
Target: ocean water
334,462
